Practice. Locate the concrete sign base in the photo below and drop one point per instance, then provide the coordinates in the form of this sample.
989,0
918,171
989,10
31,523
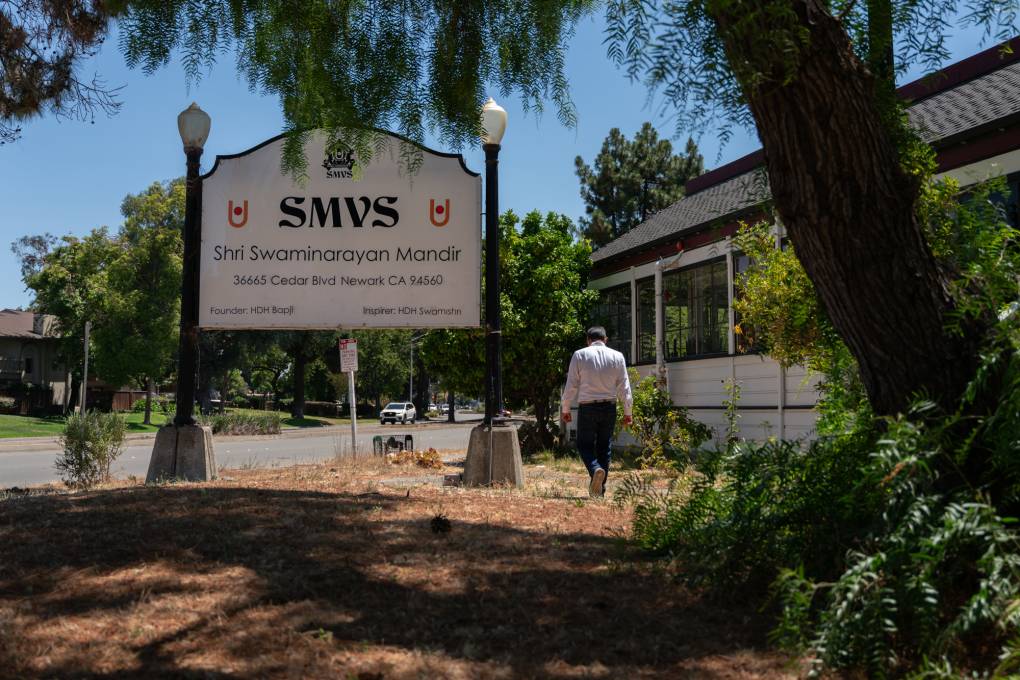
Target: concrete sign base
507,467
182,452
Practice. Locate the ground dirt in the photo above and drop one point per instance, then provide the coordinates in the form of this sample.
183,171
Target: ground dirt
343,570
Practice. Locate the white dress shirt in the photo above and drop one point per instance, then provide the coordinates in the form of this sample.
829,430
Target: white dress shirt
597,373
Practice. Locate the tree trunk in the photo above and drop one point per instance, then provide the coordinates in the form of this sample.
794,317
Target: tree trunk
849,208
297,407
148,402
542,420
452,404
72,398
421,400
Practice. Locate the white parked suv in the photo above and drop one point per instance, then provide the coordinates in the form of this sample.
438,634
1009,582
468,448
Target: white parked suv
398,412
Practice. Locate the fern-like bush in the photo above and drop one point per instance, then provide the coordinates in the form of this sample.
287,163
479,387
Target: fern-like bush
743,513
91,442
937,577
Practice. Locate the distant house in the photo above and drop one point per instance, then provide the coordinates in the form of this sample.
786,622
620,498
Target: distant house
30,368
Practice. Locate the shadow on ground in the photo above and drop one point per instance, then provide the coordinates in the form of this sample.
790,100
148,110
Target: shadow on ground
240,582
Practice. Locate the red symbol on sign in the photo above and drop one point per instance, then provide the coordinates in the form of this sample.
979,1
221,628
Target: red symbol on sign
237,217
439,215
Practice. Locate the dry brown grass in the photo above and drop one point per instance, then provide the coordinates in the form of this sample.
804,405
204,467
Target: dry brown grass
333,571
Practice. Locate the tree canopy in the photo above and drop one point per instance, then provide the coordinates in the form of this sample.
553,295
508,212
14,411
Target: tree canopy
632,180
128,285
42,45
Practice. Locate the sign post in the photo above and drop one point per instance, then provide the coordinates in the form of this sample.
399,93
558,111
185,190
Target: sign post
349,364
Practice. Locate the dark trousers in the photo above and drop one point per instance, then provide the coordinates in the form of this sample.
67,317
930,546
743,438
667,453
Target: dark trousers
595,424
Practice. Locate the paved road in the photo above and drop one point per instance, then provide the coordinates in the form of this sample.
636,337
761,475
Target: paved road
26,462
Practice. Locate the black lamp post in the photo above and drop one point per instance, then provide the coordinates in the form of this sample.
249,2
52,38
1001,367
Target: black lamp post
193,124
493,127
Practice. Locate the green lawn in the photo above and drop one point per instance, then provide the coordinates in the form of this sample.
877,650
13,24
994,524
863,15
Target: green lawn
51,426
28,426
315,421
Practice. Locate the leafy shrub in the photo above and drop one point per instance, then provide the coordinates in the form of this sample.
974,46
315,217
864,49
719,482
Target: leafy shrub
328,409
90,442
160,404
239,401
666,433
244,423
743,513
938,577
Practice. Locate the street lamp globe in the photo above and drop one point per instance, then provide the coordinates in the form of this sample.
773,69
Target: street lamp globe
193,123
493,122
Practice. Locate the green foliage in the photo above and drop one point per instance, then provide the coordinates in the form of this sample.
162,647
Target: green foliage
743,513
265,422
160,403
71,285
545,303
919,563
781,315
779,309
731,412
137,325
936,572
127,285
91,442
410,67
684,50
234,386
667,434
42,47
632,180
384,360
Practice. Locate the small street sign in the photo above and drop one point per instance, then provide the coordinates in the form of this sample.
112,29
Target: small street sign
348,355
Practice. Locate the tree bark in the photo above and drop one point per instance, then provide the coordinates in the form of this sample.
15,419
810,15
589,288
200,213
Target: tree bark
452,404
297,407
542,420
148,402
849,209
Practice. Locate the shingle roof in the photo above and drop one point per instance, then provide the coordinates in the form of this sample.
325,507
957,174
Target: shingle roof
970,105
18,324
728,198
941,116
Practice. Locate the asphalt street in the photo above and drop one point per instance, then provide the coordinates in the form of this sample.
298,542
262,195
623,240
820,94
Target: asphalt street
27,462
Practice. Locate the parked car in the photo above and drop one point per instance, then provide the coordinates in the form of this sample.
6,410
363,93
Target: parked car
398,411
444,409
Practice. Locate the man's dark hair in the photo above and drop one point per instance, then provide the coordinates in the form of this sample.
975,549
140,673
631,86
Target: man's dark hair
596,333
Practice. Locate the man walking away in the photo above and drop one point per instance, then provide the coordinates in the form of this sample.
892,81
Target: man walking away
597,377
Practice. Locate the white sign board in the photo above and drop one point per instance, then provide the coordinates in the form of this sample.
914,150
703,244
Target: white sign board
348,355
385,249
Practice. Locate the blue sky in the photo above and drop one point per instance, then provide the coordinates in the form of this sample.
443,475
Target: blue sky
67,177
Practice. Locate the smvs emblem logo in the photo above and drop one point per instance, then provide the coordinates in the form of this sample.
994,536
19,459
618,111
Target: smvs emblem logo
237,216
439,215
339,164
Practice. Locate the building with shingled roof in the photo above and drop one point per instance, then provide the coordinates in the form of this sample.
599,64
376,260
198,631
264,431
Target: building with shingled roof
667,285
